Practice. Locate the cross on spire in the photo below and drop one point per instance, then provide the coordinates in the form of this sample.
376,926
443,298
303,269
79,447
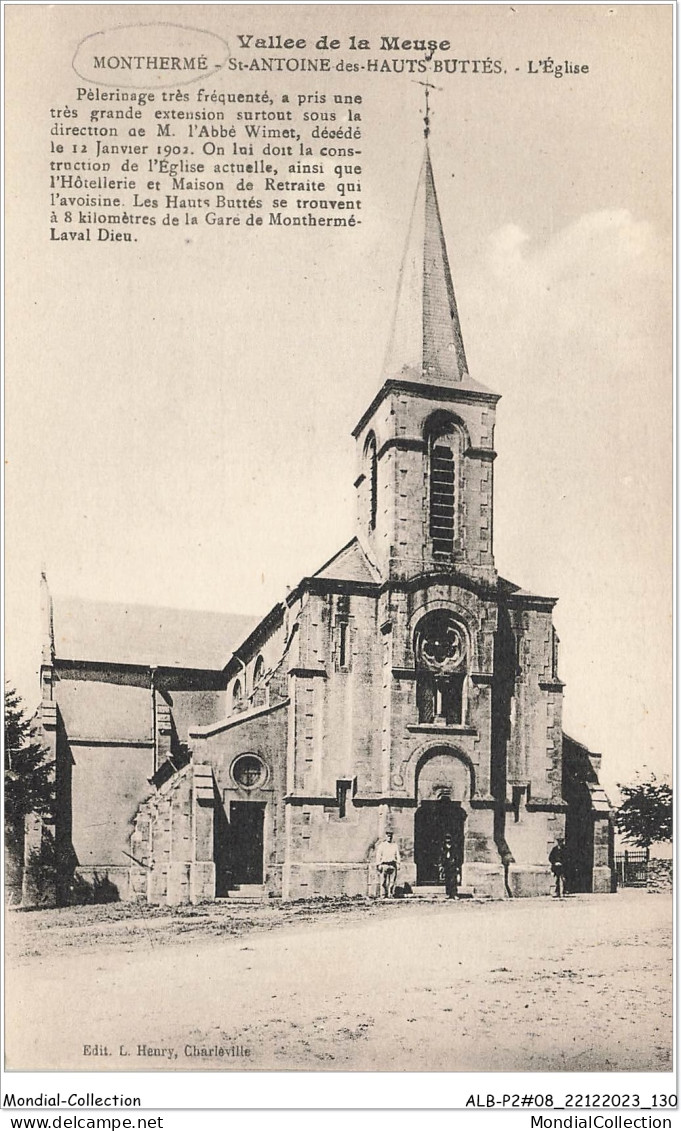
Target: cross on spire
426,117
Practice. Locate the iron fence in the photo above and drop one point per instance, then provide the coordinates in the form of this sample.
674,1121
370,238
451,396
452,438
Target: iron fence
632,868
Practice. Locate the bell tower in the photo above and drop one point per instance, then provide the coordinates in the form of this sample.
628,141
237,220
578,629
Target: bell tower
425,445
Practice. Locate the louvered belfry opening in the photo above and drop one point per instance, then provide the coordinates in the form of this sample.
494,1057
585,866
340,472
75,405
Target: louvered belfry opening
371,456
442,499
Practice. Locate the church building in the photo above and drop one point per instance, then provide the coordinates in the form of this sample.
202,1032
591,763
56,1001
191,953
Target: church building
404,686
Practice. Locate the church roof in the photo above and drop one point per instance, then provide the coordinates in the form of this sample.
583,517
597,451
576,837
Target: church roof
143,635
426,343
349,564
584,765
509,589
600,802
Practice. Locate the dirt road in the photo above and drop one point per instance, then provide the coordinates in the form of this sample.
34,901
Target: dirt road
531,985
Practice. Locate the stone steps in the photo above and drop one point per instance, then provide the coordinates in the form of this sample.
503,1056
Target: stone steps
248,893
257,893
437,891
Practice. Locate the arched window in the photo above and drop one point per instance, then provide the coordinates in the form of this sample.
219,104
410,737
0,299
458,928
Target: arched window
343,644
440,650
259,693
237,695
555,642
372,476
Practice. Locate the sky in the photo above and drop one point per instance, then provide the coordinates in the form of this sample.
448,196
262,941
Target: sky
179,410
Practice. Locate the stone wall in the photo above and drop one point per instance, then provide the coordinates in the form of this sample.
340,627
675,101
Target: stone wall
172,841
660,875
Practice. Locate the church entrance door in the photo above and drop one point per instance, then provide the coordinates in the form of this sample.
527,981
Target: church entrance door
433,821
246,819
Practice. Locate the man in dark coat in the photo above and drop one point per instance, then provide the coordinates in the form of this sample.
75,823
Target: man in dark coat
449,864
557,861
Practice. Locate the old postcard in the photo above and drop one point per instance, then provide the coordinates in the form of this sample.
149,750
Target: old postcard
338,577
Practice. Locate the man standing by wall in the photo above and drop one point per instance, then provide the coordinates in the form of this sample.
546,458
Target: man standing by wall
557,862
387,862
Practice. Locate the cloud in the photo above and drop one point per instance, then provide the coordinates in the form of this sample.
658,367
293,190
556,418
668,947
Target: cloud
573,328
595,287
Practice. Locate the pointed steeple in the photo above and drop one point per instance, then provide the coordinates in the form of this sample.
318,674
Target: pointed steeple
425,444
47,619
426,342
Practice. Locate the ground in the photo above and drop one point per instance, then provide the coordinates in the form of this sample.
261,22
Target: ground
582,984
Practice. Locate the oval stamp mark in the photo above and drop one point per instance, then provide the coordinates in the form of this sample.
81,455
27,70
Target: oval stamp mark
150,56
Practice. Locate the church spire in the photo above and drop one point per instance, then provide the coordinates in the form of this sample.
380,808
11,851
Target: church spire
47,619
426,342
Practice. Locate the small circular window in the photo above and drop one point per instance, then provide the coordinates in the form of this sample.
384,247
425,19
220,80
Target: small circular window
248,771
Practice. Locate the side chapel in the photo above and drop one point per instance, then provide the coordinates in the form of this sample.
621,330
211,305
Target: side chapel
404,686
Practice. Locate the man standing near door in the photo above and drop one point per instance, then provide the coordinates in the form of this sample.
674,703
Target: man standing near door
450,866
387,862
557,862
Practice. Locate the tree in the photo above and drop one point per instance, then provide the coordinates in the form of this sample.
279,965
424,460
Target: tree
645,815
29,783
